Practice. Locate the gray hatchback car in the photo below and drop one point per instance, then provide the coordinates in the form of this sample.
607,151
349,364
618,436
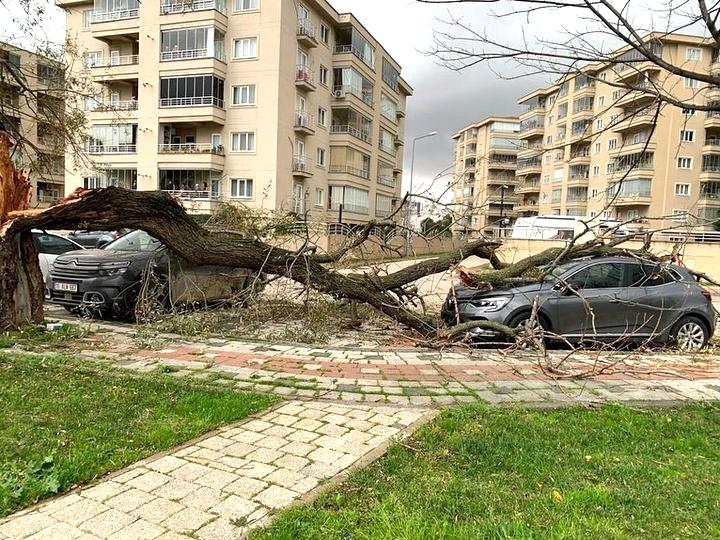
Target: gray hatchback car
603,299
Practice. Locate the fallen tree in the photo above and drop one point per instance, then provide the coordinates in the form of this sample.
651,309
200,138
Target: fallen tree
162,216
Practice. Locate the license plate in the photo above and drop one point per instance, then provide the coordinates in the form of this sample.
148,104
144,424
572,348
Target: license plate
69,287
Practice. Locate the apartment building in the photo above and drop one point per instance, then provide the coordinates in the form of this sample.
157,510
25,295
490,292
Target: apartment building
279,105
31,107
595,149
485,198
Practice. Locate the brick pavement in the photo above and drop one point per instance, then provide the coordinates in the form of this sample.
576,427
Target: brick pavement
220,486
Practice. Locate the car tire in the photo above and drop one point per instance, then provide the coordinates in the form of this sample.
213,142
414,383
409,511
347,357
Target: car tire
689,334
523,318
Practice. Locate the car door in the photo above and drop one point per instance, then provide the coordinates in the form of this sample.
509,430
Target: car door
589,301
658,298
49,246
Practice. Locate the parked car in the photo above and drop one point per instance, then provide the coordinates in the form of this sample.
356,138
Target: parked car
96,239
628,300
49,246
109,280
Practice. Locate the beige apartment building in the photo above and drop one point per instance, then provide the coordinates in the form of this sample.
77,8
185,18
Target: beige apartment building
485,199
279,105
32,117
592,149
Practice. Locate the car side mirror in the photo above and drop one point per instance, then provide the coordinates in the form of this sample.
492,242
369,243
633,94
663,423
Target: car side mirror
565,290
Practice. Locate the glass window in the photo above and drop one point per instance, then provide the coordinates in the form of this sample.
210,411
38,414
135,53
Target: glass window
682,190
245,47
388,108
322,117
243,141
241,188
52,244
693,53
246,5
244,94
86,18
319,197
598,276
390,75
323,75
321,157
324,34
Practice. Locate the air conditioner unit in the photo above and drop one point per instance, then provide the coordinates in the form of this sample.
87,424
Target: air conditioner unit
339,93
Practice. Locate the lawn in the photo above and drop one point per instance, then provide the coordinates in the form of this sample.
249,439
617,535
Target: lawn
495,473
63,423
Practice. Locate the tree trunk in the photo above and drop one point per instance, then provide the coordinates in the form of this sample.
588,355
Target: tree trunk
21,284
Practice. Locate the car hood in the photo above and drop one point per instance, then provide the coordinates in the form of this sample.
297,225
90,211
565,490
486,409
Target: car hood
105,255
464,293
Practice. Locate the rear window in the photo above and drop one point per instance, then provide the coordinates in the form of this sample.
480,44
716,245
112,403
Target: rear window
649,275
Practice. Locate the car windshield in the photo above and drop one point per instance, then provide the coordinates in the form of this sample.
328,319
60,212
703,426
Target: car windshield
135,241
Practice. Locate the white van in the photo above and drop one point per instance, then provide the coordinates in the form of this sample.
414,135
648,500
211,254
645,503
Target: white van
563,228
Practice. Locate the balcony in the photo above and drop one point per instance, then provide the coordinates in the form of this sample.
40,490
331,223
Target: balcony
636,97
712,146
710,172
169,7
386,180
204,155
117,68
400,113
534,150
633,199
578,180
197,201
193,54
347,91
114,24
304,123
501,164
532,127
528,187
636,119
583,113
580,157
502,180
349,169
532,166
386,148
627,71
527,208
112,149
192,109
712,119
307,33
633,146
358,133
121,110
304,78
302,167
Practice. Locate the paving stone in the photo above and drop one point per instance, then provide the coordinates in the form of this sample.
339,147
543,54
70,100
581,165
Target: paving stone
255,469
25,525
303,436
103,491
57,531
190,519
202,498
292,462
190,472
138,530
216,479
271,442
148,481
285,477
308,424
166,464
129,500
246,487
175,489
275,497
332,430
324,455
248,437
81,511
220,529
235,507
108,522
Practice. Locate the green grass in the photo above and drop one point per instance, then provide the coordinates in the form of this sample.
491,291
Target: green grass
493,473
64,423
38,336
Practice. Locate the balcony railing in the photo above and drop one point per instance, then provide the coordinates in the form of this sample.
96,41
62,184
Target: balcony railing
192,102
191,148
193,194
351,49
302,164
349,169
304,74
125,60
304,120
386,180
386,148
126,105
112,149
306,28
117,15
358,133
191,54
182,6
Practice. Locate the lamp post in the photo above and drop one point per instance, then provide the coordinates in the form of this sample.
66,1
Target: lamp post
502,207
406,219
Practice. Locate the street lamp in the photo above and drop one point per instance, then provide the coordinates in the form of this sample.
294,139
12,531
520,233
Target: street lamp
409,201
502,206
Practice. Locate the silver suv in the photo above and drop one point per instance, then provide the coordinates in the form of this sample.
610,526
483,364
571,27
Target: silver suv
604,299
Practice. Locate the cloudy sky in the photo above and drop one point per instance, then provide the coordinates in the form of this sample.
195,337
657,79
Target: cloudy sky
444,100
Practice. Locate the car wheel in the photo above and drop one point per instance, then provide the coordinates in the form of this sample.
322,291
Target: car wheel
522,323
690,334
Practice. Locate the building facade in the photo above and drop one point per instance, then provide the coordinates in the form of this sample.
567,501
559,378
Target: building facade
597,148
282,106
31,108
485,199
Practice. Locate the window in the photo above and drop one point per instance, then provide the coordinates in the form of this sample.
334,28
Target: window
352,199
321,155
612,144
243,141
687,135
599,276
322,117
192,90
546,179
241,188
598,147
647,275
92,59
601,100
691,83
548,140
52,244
603,76
319,197
688,112
244,95
86,18
680,216
323,75
607,214
682,190
390,75
245,48
598,123
90,103
693,53
684,163
593,193
596,170
324,34
548,157
609,168
388,108
550,120
615,95
246,5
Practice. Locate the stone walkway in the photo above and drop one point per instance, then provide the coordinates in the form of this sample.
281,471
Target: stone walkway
220,486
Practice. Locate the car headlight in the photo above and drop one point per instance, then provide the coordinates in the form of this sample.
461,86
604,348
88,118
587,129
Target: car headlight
491,304
113,268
